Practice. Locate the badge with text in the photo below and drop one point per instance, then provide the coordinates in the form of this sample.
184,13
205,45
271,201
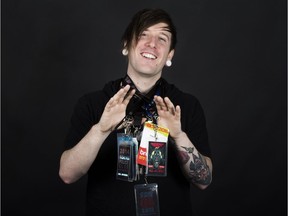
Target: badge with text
157,159
151,133
126,159
146,199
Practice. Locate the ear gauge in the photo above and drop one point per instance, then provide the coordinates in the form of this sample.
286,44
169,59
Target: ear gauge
125,52
168,63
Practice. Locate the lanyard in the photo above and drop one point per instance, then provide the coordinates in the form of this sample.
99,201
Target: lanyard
140,104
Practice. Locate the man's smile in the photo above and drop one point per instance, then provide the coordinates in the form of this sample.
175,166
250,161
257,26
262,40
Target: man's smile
148,55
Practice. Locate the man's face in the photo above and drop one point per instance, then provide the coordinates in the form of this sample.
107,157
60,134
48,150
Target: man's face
151,52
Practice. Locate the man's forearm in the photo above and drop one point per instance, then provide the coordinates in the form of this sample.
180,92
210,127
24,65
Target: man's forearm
76,162
196,167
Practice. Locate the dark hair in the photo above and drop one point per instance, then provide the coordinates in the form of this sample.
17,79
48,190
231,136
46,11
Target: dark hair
143,20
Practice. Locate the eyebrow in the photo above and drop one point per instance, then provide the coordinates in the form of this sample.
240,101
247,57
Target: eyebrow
164,30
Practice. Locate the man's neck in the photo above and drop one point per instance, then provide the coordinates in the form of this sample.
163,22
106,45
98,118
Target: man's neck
143,83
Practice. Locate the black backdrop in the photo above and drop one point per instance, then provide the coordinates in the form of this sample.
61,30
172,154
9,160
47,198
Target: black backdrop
231,54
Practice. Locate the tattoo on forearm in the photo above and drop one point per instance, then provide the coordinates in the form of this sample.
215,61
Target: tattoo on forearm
184,156
199,170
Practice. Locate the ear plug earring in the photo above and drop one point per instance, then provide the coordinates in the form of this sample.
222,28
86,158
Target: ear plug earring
125,52
168,63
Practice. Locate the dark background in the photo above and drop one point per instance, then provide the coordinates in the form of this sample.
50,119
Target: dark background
231,55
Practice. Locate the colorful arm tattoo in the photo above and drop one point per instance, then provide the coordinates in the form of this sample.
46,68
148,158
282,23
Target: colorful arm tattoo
198,170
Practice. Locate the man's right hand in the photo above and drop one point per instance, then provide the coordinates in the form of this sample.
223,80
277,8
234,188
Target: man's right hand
115,109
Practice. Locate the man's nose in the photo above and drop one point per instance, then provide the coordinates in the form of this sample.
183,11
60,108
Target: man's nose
152,42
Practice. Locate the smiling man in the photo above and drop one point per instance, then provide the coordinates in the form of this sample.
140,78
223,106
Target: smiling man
149,53
117,132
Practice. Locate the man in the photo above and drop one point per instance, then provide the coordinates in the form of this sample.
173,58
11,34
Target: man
129,106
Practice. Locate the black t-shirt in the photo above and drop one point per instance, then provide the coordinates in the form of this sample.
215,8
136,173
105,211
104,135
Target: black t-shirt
108,196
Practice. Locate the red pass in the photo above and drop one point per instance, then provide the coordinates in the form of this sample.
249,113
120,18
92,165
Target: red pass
151,132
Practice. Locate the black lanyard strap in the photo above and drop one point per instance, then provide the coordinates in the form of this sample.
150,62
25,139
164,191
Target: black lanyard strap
140,104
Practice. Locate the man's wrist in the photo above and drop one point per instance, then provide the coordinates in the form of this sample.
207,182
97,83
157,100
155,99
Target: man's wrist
179,136
97,129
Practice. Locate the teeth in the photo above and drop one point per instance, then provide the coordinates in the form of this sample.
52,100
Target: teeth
148,55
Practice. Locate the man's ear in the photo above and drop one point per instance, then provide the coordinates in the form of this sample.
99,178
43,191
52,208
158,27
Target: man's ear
125,45
171,54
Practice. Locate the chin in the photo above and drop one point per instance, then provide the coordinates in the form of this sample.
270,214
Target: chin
149,73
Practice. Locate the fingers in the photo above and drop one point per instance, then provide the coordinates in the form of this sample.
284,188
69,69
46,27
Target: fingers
158,101
169,105
160,104
178,112
121,97
164,104
128,96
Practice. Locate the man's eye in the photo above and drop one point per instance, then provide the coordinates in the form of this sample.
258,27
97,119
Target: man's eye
162,39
